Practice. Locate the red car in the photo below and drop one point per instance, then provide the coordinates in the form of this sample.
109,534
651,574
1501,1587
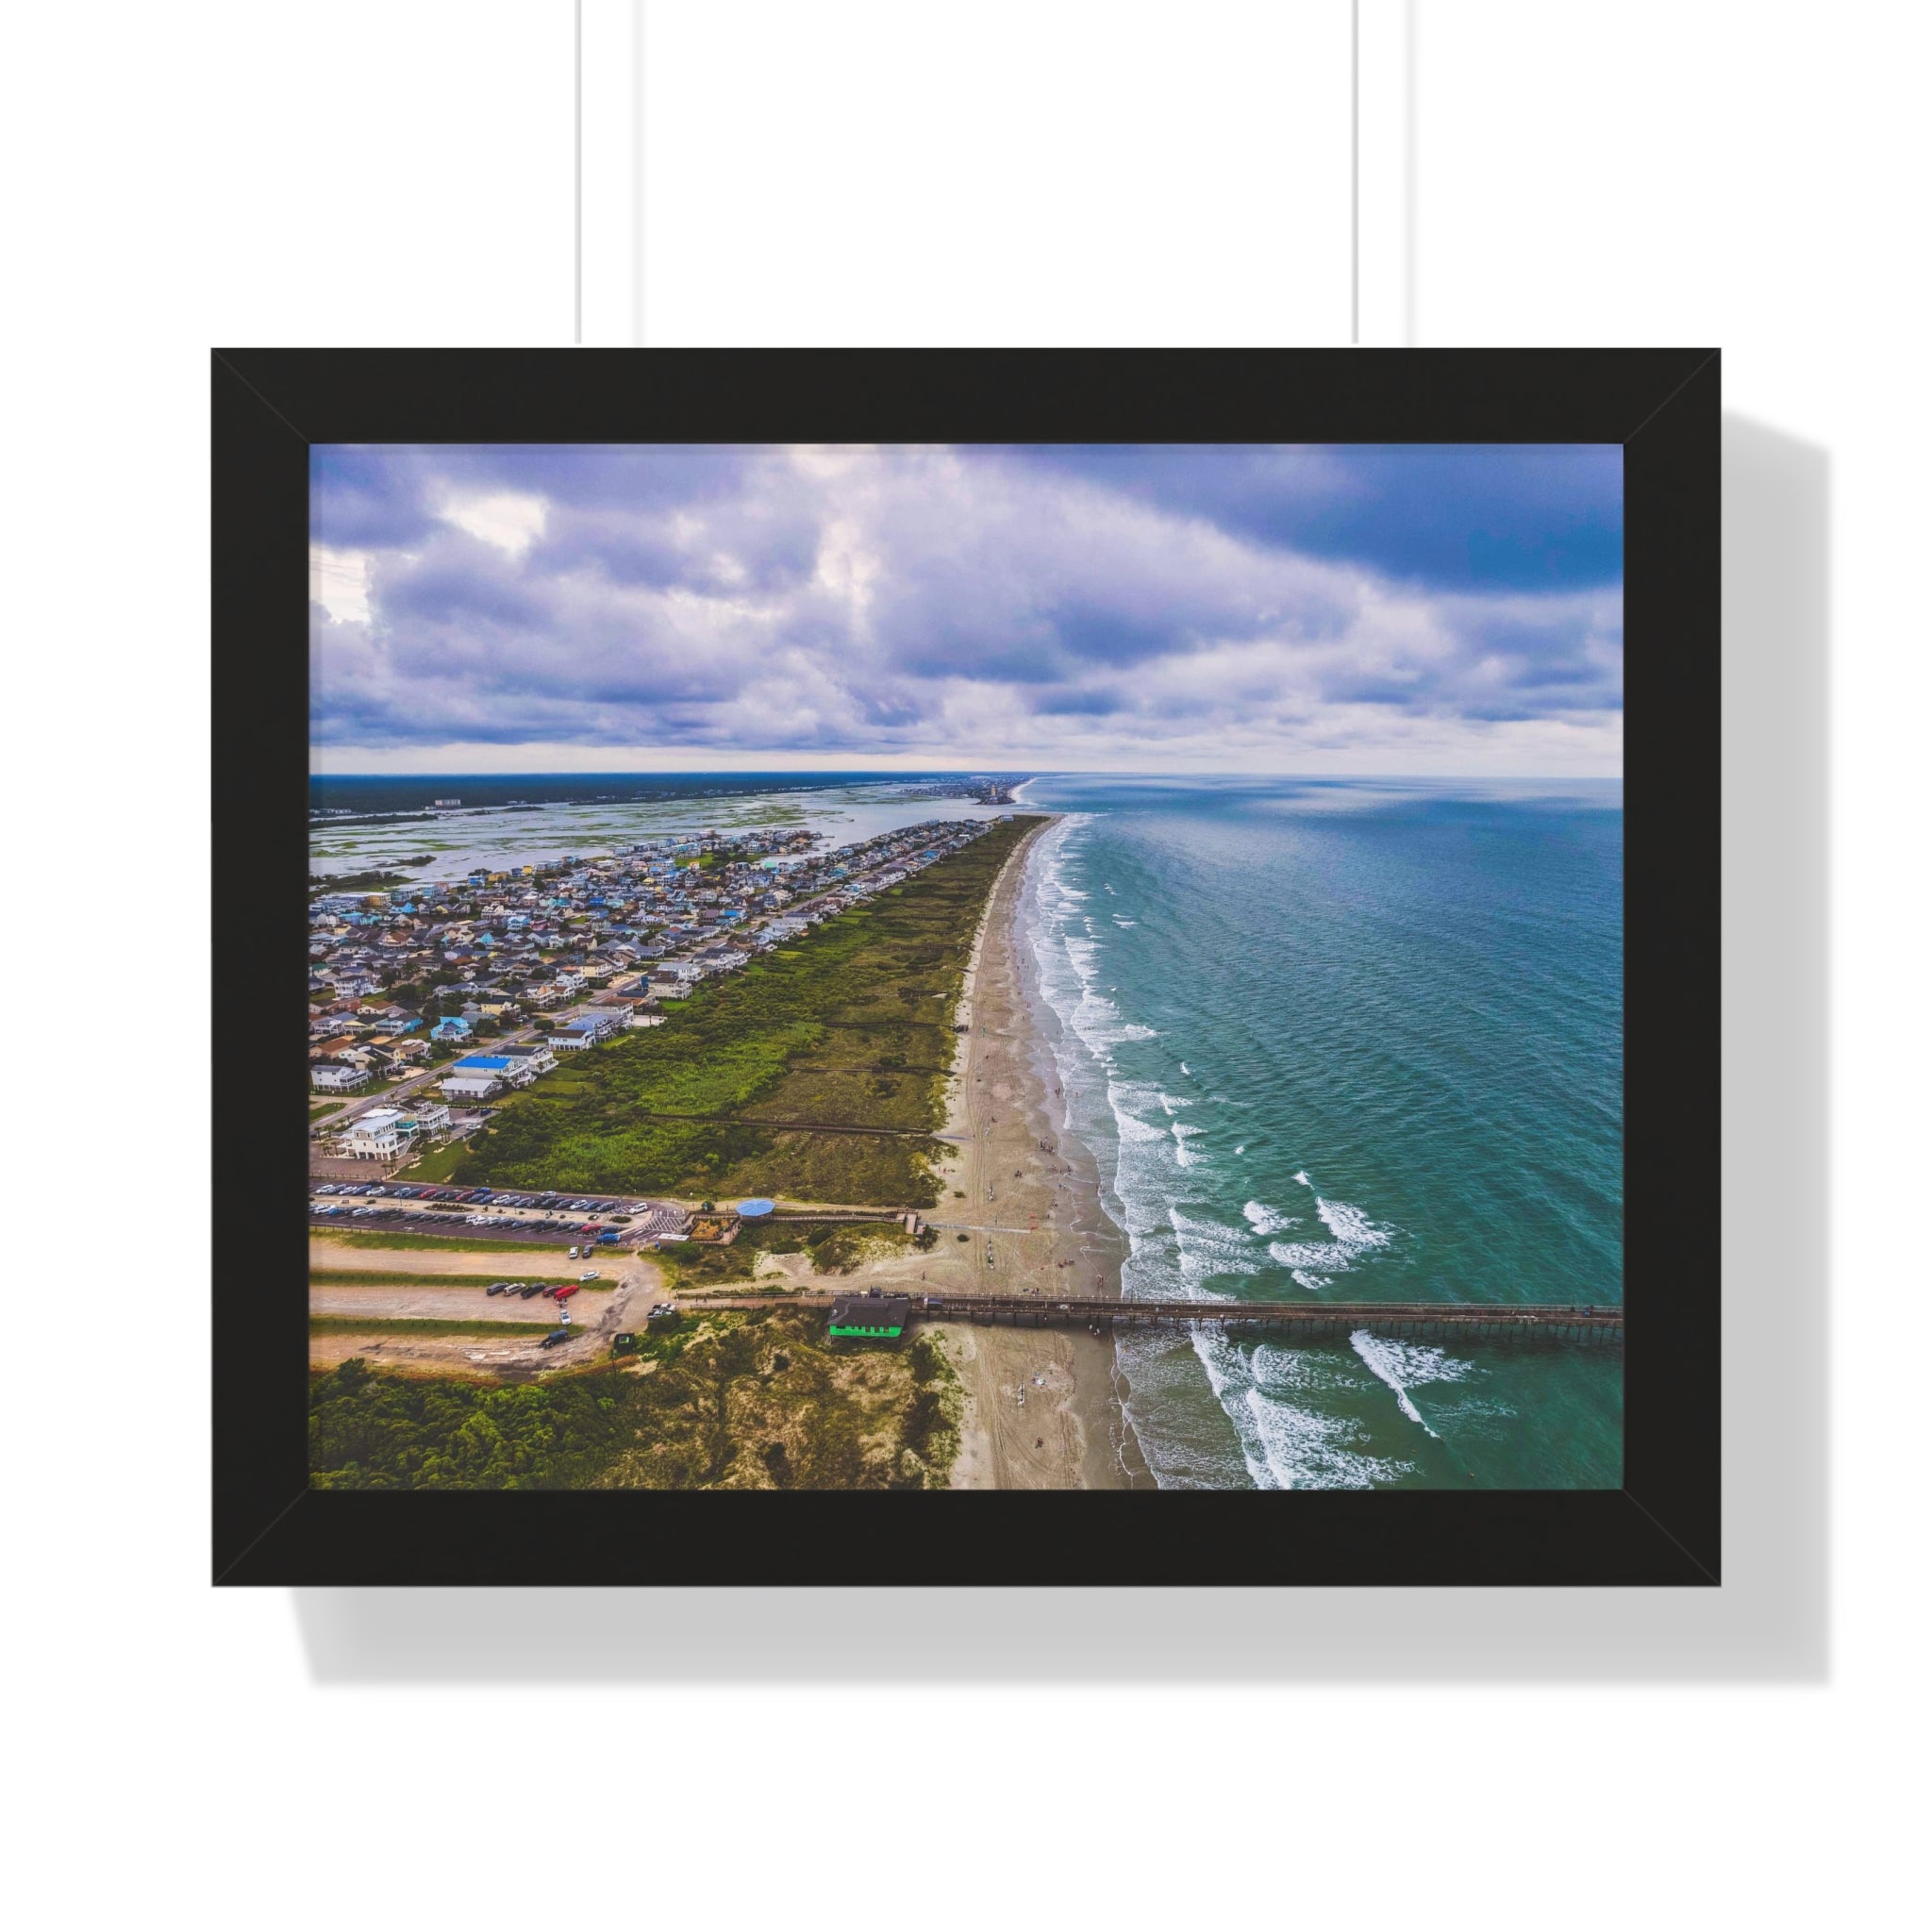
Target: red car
564,1293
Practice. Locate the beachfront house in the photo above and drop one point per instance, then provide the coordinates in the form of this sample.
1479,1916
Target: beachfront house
337,1076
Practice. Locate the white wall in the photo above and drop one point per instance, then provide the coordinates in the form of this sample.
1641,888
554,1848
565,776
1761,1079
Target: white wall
400,172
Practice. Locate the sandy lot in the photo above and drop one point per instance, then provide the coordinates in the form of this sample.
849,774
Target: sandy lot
390,1303
600,1310
511,1263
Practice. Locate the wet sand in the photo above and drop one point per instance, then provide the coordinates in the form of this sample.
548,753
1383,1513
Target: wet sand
1044,1403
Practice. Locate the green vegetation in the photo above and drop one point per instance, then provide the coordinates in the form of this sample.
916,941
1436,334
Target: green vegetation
357,1238
438,1164
850,1027
321,1109
372,1277
731,1402
409,1324
835,1248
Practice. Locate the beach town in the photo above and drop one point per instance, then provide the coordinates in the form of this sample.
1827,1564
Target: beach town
452,993
435,1006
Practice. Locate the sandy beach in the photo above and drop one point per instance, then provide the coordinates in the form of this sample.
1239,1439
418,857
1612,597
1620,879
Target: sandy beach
1042,1406
1019,1214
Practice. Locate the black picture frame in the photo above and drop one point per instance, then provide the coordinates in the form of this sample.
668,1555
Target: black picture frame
268,406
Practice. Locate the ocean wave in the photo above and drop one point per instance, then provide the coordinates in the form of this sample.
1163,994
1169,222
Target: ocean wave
1313,1283
1175,1248
1124,924
1353,1235
1264,1219
1304,1371
1350,1227
1283,1445
1404,1365
1208,1247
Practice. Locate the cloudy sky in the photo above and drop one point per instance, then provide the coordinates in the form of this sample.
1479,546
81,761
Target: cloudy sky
1250,609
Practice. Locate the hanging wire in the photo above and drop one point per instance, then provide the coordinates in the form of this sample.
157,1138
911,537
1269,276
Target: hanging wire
577,137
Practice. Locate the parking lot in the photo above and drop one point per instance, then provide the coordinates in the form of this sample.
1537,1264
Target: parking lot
607,1220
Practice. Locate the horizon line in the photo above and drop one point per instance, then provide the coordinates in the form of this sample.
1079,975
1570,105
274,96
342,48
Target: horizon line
958,772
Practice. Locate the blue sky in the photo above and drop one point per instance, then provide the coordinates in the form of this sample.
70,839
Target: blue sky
1363,609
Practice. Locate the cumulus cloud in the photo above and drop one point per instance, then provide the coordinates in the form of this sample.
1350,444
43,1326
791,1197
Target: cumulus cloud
942,606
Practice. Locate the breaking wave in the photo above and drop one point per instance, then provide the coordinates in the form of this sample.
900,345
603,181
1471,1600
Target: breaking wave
1353,1234
1404,1365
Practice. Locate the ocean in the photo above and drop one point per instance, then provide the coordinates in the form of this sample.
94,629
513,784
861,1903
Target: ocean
1354,1039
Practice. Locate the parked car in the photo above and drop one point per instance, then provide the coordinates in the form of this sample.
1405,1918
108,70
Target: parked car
497,1288
531,1288
572,1255
549,1292
555,1336
564,1293
590,1276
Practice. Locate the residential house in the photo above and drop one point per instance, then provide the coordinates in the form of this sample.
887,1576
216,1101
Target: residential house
469,1081
537,1059
384,1133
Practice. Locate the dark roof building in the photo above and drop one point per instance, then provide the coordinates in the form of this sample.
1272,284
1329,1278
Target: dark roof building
873,1317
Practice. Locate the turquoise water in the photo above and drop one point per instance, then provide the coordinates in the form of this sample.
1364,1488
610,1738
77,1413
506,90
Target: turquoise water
1348,1040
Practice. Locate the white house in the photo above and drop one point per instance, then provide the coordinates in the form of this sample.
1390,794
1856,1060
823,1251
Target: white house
381,1134
337,1076
478,1083
535,1058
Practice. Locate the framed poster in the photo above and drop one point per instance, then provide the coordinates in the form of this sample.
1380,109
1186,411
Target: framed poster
940,967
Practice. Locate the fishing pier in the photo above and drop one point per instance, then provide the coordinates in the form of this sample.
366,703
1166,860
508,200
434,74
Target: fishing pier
1418,1320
